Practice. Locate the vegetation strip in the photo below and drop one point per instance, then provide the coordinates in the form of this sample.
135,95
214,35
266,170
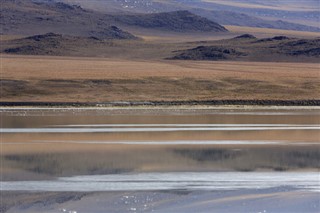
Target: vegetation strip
169,103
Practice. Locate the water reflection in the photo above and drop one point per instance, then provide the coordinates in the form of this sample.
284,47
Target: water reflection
48,144
171,181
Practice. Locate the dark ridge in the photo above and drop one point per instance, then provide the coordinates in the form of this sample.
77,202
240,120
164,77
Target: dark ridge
308,52
168,103
112,32
58,5
276,38
279,48
245,36
179,21
207,53
64,6
28,49
280,38
44,36
301,47
56,44
303,42
94,38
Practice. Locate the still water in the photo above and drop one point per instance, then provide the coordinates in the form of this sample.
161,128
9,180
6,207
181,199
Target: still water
97,149
308,181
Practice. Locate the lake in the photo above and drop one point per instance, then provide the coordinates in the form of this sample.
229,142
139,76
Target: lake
151,149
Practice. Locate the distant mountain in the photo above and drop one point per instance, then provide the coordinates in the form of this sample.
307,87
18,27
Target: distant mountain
156,6
241,19
306,12
278,14
293,5
27,17
180,21
129,6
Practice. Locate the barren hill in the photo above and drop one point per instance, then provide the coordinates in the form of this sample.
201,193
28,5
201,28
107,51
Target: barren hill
180,21
49,44
27,17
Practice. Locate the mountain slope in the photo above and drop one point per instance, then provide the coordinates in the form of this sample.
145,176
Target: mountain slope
277,14
296,11
27,17
241,19
180,21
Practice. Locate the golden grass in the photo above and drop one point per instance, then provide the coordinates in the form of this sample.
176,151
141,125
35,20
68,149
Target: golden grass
42,67
10,37
97,79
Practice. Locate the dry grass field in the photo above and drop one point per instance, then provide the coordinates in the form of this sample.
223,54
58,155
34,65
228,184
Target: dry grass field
265,32
40,78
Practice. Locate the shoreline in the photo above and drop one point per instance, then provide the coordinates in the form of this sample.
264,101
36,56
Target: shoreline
206,103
